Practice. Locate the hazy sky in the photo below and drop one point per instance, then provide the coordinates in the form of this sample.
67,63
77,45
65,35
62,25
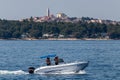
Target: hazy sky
19,9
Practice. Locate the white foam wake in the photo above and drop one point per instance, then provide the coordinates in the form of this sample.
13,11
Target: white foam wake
82,72
18,72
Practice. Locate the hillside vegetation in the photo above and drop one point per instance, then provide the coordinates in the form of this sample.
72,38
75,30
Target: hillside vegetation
30,29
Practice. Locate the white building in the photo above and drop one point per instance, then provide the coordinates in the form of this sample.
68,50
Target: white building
61,15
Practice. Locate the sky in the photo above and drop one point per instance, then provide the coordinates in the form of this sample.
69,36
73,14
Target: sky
100,9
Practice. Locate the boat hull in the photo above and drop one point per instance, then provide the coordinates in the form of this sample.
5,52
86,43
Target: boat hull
62,68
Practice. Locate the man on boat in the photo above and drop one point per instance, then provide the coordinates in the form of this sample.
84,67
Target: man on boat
48,62
56,60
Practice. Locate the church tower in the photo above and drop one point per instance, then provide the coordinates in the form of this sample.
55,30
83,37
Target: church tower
48,12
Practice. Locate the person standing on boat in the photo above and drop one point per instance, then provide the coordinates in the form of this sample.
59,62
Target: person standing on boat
56,60
48,62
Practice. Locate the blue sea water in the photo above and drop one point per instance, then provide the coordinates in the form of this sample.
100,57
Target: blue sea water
17,56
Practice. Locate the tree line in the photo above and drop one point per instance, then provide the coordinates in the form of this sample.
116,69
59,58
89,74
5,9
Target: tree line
15,29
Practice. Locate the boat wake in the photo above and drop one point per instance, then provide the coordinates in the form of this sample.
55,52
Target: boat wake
21,72
18,72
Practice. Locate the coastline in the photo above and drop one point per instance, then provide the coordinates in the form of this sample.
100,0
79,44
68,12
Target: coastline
69,39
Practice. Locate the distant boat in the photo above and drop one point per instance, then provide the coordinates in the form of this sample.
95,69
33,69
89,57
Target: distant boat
74,67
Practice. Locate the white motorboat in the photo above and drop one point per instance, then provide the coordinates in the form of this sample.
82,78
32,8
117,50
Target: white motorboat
74,67
62,68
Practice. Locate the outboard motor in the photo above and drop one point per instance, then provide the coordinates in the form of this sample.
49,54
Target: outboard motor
31,70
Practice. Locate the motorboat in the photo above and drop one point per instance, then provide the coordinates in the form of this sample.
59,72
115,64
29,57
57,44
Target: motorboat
74,67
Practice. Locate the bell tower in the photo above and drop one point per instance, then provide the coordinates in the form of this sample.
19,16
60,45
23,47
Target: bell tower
48,12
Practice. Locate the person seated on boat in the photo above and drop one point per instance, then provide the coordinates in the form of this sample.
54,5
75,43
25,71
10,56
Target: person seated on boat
56,60
48,62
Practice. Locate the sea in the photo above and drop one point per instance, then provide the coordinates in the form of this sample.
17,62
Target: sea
16,56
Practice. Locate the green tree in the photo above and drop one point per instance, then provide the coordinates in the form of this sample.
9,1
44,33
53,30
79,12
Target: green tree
35,33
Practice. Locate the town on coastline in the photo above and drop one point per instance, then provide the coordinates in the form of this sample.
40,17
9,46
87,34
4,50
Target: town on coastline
62,17
59,27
